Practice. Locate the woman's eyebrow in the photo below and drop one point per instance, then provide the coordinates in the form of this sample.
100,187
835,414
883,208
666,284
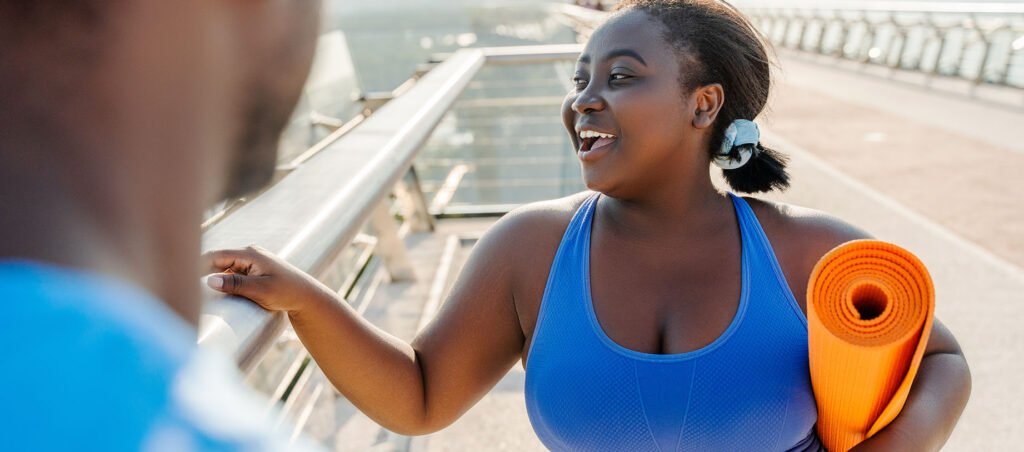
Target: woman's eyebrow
627,53
585,59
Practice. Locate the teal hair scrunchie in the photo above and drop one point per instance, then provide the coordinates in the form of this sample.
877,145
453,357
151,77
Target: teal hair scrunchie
740,132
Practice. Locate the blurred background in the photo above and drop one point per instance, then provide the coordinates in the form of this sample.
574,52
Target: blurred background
425,120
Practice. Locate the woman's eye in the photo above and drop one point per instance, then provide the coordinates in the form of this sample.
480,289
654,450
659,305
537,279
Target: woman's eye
619,77
579,83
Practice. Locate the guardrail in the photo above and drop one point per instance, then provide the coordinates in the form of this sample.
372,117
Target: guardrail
979,42
318,208
982,43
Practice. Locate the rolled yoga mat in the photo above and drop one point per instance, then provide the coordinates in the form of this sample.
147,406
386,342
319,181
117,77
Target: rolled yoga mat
870,306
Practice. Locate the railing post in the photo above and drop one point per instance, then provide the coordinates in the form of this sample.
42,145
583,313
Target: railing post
414,203
785,30
988,54
389,244
967,27
975,32
864,49
928,35
804,23
1010,53
983,64
778,27
943,39
844,38
826,24
898,38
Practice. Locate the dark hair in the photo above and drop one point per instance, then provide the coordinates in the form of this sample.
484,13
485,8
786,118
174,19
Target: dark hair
719,45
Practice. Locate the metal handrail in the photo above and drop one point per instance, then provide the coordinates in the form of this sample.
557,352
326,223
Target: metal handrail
318,208
308,216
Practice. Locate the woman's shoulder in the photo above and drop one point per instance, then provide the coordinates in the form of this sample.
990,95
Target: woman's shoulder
524,243
539,221
800,236
530,232
814,225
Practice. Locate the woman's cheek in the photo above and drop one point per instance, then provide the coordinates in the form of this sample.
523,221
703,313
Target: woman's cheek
568,116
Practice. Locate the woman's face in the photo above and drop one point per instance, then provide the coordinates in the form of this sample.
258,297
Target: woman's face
627,117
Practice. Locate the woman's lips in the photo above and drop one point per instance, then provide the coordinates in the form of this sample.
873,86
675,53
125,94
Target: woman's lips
597,149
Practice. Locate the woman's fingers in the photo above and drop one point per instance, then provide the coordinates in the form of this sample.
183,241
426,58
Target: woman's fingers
248,286
258,275
234,261
252,273
227,260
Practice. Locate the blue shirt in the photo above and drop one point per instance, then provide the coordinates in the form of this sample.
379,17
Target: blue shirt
93,363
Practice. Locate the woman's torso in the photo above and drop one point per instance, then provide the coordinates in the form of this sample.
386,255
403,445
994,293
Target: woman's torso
742,383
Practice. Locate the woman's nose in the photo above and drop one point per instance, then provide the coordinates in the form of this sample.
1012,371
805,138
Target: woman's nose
588,101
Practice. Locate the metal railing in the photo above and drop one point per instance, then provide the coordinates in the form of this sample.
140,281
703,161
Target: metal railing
982,43
319,207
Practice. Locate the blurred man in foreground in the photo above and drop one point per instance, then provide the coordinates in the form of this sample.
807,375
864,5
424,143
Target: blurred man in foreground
120,121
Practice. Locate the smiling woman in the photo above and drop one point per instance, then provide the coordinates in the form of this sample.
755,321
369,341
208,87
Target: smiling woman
653,312
712,45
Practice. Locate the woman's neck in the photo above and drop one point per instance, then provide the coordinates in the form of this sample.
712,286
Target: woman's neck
690,207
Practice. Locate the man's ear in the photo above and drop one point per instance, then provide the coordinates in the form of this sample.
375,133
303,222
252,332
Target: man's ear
708,101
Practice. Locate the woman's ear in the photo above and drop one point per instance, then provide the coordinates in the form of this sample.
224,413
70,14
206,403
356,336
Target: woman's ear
708,100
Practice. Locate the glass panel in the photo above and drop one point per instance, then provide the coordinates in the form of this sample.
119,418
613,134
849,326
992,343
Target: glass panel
506,127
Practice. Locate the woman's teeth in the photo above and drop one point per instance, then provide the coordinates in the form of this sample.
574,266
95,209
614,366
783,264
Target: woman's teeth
592,134
592,140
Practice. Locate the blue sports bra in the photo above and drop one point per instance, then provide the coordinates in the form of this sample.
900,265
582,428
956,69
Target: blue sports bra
748,390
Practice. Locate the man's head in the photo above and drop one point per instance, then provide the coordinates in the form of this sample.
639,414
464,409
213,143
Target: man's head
187,92
121,121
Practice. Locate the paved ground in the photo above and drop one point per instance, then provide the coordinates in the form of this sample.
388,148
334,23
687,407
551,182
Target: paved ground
939,174
942,175
958,162
978,295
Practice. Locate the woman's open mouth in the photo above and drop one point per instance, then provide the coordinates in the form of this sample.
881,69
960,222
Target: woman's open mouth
594,144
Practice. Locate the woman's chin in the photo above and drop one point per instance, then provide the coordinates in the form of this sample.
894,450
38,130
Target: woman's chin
596,182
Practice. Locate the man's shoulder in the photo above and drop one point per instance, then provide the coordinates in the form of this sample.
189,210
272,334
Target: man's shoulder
66,311
95,362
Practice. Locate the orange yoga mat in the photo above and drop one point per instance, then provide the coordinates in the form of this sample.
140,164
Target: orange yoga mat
870,306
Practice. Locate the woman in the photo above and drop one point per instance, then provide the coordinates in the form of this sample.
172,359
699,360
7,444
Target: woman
650,313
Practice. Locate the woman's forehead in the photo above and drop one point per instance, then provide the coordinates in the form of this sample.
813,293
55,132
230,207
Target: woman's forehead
632,31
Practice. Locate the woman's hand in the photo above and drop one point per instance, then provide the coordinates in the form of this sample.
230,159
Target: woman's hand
264,278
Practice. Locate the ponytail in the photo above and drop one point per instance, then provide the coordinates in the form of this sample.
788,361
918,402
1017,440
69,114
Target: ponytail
766,171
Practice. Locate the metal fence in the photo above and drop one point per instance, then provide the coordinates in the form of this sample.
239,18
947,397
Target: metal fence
982,43
350,201
978,42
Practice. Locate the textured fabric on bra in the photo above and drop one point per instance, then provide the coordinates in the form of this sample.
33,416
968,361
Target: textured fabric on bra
748,390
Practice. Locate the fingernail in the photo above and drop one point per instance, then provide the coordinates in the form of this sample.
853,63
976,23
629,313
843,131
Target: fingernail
215,282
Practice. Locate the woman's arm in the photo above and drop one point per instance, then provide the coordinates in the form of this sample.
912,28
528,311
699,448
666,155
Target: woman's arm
937,397
943,382
413,388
